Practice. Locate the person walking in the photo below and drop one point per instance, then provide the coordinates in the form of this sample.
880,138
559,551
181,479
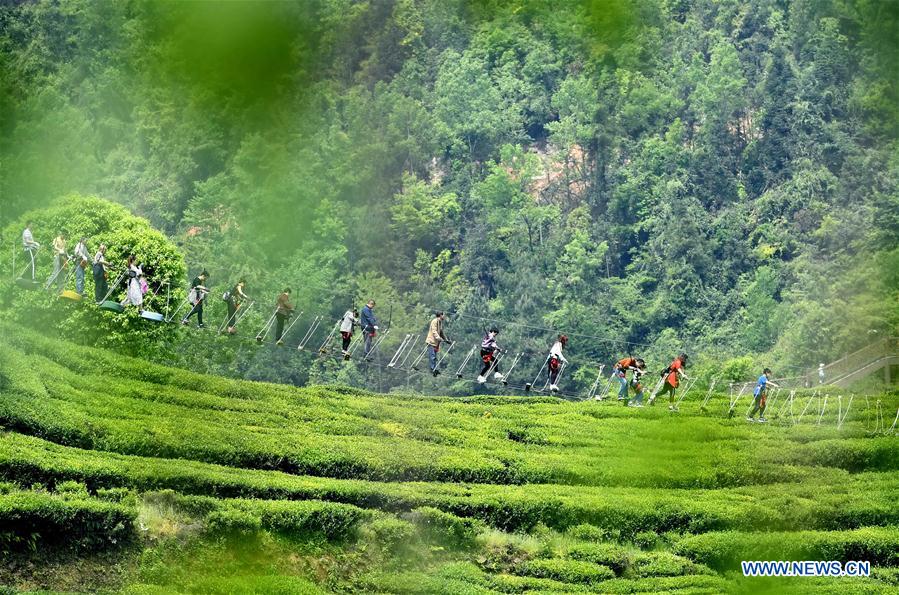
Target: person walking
620,370
636,383
347,324
436,336
234,299
133,272
60,261
283,312
556,361
82,259
673,374
489,351
30,246
761,396
369,325
197,297
101,276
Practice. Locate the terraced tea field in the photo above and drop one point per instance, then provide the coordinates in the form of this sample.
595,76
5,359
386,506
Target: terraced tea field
120,475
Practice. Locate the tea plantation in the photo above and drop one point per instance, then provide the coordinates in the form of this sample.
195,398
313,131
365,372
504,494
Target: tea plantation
118,475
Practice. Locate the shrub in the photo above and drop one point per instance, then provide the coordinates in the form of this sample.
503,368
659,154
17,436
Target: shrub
447,528
587,532
81,523
568,571
605,554
390,533
879,545
664,564
232,521
646,539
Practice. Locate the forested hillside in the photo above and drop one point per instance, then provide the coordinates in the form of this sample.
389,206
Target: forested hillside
715,176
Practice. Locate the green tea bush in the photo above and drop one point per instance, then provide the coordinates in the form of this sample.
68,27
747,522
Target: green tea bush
646,539
606,554
568,571
722,550
230,521
587,532
390,533
685,584
862,499
665,564
73,522
447,528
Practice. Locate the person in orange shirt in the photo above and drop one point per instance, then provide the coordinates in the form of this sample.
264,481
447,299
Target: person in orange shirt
619,371
672,375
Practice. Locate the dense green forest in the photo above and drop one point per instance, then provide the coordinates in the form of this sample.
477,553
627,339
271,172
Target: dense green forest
718,176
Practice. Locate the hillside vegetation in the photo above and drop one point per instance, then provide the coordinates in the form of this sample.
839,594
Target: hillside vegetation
124,475
712,176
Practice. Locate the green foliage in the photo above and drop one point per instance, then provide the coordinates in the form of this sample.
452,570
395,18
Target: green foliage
101,222
71,519
455,531
670,174
568,571
575,529
879,545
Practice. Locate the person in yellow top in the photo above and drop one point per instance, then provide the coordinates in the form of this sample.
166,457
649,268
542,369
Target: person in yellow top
436,336
60,260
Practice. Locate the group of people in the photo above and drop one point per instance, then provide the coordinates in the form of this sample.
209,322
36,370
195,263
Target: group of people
236,298
367,322
81,259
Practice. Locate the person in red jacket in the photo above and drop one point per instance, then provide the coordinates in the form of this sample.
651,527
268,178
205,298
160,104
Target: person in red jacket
673,375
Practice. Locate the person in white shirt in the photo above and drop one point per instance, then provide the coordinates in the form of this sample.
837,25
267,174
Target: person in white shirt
82,259
556,360
350,320
134,296
29,245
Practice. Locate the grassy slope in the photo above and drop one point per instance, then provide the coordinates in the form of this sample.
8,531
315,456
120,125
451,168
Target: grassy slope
337,489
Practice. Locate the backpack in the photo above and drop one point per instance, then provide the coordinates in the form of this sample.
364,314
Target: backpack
666,371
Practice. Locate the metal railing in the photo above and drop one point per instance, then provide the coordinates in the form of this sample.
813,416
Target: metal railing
883,350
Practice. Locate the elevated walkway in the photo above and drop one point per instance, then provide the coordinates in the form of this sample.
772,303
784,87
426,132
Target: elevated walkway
847,370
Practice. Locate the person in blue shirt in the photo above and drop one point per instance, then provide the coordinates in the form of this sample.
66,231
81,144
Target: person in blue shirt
761,395
369,324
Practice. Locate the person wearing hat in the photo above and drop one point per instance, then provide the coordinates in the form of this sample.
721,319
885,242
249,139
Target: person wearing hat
436,336
197,295
761,395
489,349
282,313
556,360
